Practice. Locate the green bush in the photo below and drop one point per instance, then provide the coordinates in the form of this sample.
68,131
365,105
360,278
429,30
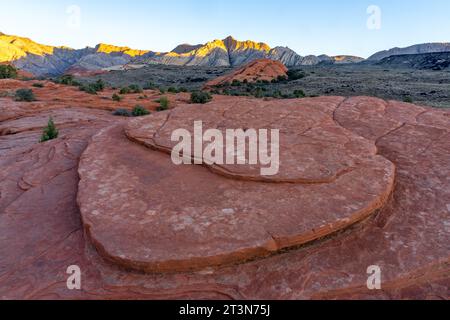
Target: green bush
236,83
125,90
8,72
25,95
163,104
135,88
50,132
122,113
149,86
140,111
408,99
200,97
259,93
295,75
88,88
38,85
116,97
299,94
98,85
68,80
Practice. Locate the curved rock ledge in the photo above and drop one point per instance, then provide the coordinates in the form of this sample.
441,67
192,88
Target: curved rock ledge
42,232
143,212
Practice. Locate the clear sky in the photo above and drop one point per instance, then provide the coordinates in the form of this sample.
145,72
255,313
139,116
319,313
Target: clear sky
309,27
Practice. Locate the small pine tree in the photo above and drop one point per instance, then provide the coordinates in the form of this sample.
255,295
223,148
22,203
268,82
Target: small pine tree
50,132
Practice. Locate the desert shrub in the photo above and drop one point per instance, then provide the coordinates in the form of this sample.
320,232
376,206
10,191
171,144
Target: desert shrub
408,99
183,89
25,95
172,90
134,88
282,79
116,97
125,90
299,94
295,75
50,131
88,88
98,85
149,86
93,88
140,111
38,85
162,90
258,93
277,94
163,104
200,97
236,83
68,80
8,72
122,113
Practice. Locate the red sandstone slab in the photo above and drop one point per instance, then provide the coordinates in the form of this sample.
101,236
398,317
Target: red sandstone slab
313,148
409,239
143,212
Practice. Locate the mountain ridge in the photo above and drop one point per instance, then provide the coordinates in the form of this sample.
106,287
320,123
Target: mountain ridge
431,47
44,60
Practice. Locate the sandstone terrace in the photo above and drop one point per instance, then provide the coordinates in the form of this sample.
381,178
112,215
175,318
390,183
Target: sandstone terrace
39,186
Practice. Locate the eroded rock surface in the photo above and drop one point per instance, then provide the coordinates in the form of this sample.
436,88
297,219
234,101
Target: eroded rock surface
262,70
42,234
144,212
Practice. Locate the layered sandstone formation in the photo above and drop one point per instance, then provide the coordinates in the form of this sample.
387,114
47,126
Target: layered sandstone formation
258,70
369,185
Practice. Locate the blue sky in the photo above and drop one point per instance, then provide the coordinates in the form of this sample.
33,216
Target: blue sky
309,27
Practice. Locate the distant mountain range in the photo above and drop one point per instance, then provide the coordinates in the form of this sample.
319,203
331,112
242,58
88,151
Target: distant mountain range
41,60
415,49
423,61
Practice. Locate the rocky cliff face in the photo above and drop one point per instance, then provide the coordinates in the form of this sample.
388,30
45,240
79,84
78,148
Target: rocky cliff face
416,49
42,60
230,52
